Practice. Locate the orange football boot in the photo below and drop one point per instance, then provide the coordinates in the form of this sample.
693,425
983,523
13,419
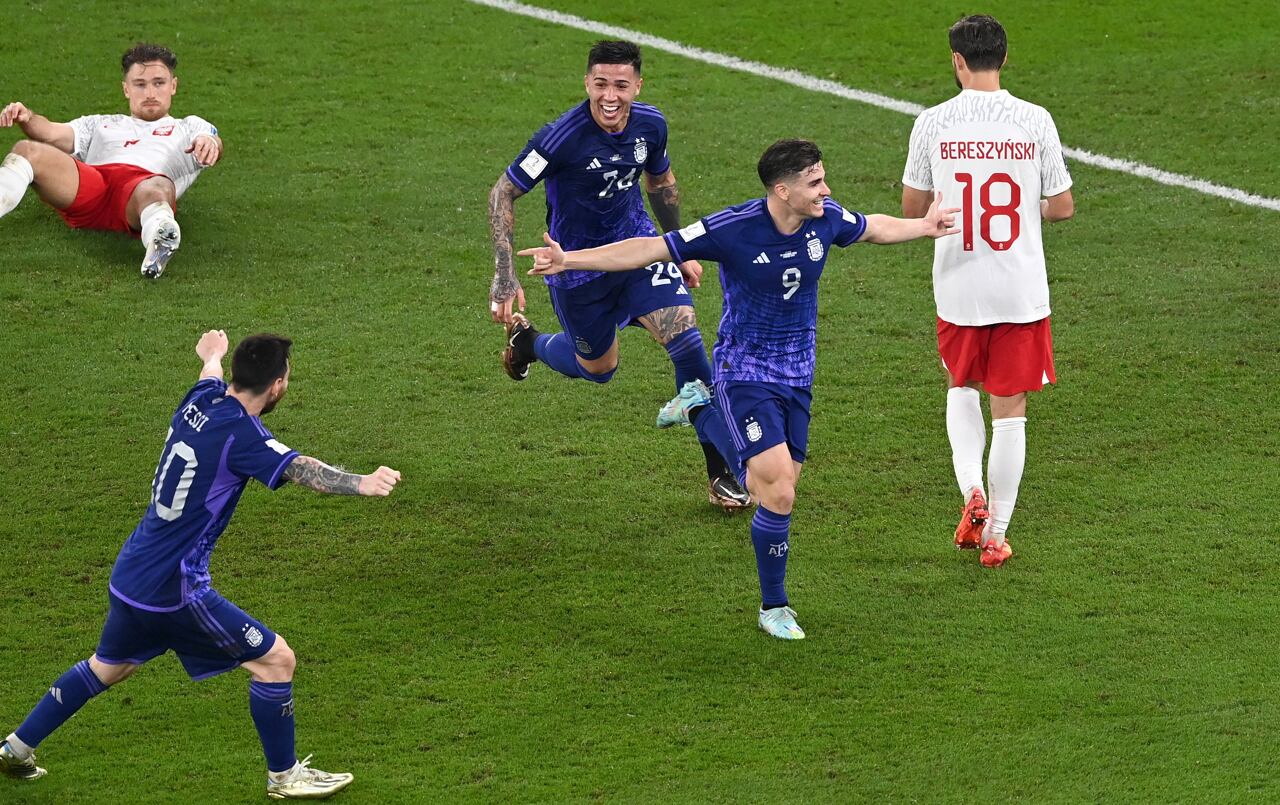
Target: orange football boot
994,554
972,520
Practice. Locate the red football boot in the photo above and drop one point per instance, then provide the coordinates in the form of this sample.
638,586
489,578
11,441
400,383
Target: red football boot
972,520
994,554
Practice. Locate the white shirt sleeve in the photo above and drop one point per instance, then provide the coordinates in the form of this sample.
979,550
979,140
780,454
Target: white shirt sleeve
1054,176
197,126
918,172
83,127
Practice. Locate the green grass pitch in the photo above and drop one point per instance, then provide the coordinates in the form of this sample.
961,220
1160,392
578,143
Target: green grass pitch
546,609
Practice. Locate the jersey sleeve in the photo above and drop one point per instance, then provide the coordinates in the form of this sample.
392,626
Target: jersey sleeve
196,126
255,453
693,242
918,172
847,226
1054,176
83,129
534,162
658,163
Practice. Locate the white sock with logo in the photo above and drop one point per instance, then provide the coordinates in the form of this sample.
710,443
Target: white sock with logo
151,218
968,434
1004,470
15,176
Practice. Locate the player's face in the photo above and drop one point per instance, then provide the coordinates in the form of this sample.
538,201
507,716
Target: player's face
276,393
150,88
805,193
611,88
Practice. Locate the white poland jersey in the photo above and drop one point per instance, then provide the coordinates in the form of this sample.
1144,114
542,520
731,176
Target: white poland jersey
994,156
159,146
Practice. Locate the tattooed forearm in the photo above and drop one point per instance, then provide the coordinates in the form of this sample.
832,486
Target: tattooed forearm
669,322
665,202
315,474
502,213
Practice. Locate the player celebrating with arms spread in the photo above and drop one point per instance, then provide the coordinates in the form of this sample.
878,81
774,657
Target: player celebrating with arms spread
591,158
160,596
997,155
121,173
771,252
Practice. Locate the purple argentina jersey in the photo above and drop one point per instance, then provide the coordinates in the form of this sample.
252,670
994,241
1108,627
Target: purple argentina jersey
592,178
768,332
213,448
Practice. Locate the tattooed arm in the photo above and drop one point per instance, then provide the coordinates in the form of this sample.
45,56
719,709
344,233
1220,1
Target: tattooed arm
315,474
502,212
664,200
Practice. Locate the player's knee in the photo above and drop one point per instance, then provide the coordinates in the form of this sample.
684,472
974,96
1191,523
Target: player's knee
281,658
31,151
597,377
110,673
157,188
778,495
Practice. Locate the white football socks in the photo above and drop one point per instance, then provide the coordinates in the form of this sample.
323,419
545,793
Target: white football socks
968,434
1004,470
20,750
151,217
15,176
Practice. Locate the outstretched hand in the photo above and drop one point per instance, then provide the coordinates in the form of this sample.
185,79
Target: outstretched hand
547,259
940,222
14,113
504,296
378,483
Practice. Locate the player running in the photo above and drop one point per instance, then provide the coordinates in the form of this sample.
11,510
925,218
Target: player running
121,173
591,159
771,252
995,155
160,595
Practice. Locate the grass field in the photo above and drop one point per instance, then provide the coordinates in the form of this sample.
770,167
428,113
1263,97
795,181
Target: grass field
547,609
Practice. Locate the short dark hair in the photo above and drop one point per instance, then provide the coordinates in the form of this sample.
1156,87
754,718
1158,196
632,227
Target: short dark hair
982,42
614,51
144,52
259,361
787,158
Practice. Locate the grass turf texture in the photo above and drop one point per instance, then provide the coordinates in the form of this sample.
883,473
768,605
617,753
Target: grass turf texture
546,609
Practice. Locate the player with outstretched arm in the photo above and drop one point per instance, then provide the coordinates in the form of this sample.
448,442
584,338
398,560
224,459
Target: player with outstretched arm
160,598
771,252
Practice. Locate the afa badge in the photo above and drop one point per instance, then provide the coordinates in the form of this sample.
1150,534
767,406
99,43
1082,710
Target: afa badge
815,249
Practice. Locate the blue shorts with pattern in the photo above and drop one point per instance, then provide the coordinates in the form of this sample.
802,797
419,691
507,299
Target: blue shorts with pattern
761,415
210,635
591,313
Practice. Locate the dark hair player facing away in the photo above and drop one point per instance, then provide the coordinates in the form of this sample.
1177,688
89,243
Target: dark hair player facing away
160,594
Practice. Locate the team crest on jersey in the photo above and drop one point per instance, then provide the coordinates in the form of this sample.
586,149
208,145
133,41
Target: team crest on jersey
815,249
583,346
252,636
642,150
754,431
163,131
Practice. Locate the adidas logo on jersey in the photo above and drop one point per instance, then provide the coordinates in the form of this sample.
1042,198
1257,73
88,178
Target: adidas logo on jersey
762,259
593,164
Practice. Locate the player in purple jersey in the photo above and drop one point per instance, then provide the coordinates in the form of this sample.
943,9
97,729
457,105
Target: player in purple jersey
590,159
771,253
160,598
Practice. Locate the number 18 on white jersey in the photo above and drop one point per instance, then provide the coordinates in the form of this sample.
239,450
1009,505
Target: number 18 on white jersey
994,156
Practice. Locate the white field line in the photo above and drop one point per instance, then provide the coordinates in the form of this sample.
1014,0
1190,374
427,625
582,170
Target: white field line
815,84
